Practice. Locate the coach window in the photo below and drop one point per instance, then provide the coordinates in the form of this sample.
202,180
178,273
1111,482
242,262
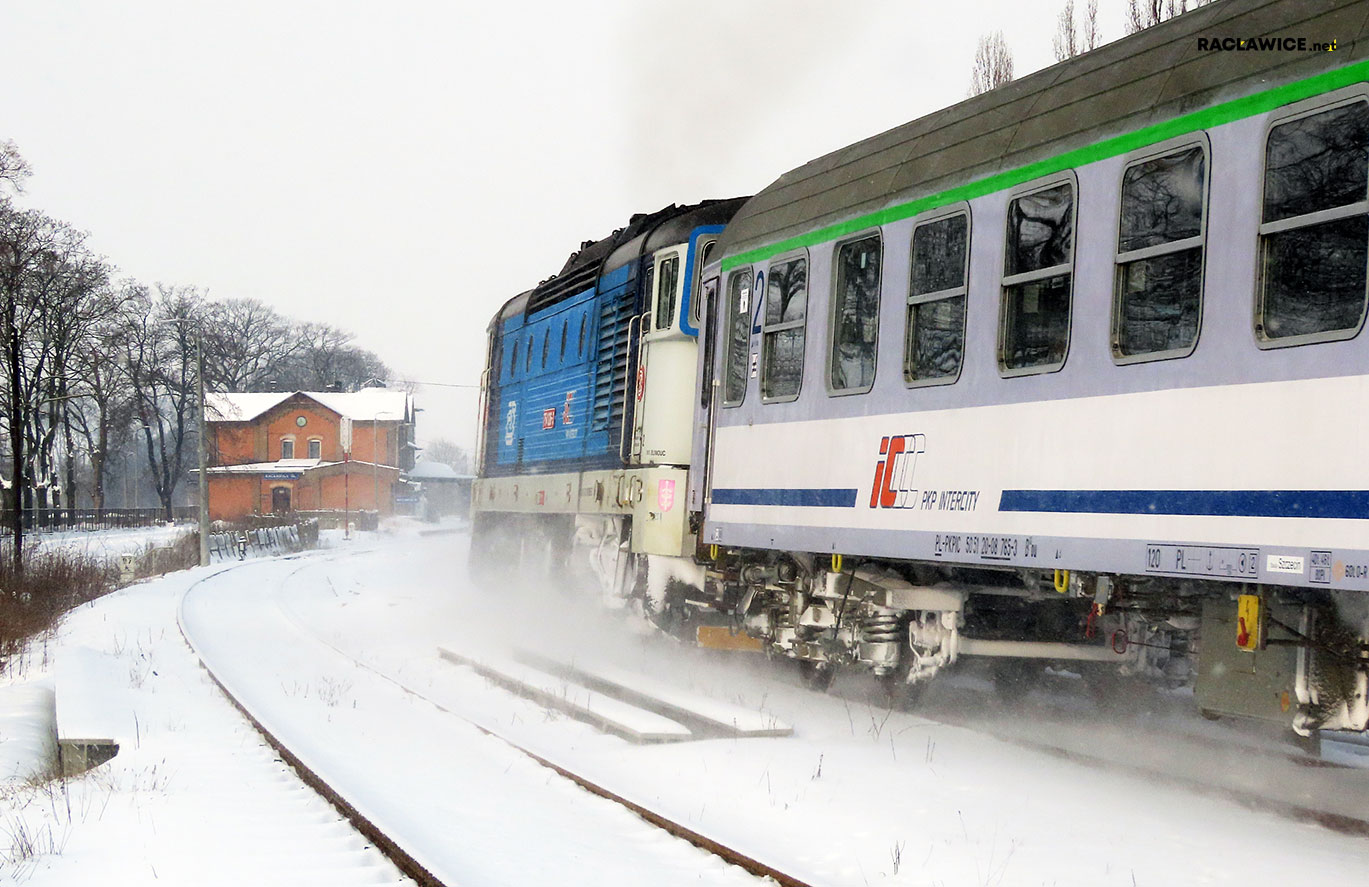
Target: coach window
1157,294
668,280
738,336
705,252
1314,231
855,316
1034,321
935,346
707,292
786,311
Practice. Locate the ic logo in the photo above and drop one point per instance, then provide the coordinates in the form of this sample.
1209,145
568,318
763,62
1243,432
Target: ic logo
893,484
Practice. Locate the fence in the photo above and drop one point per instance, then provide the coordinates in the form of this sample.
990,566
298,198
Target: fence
93,519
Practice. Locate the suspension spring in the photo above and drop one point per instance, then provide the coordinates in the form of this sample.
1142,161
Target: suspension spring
881,628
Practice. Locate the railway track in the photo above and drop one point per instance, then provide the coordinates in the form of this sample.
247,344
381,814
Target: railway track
394,847
736,853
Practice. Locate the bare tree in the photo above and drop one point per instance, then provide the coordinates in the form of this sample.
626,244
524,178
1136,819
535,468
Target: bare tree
445,452
327,359
13,168
47,279
247,345
1073,37
992,64
1088,31
1142,14
1065,42
159,363
104,412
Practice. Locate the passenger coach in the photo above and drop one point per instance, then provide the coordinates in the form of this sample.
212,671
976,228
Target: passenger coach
1073,371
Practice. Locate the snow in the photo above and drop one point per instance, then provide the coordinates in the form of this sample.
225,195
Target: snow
366,405
857,795
108,544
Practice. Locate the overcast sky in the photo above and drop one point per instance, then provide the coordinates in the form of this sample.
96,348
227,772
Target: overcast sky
401,169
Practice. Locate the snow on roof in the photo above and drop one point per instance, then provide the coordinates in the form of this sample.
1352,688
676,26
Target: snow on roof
367,405
432,471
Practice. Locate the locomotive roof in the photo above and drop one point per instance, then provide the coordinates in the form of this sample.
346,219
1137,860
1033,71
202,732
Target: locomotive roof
1148,78
644,233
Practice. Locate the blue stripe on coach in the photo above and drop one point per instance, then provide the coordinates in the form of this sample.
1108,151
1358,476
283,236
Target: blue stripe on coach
807,498
1333,504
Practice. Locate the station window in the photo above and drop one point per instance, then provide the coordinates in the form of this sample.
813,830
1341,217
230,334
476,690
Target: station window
665,300
1157,299
287,448
935,346
1034,320
1314,231
855,316
315,448
786,311
738,336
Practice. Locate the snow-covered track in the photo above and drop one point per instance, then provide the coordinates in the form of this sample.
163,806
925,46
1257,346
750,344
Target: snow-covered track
409,853
377,836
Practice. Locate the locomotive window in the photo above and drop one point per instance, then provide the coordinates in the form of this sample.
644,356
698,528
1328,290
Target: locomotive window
527,364
513,359
1157,294
546,346
738,336
1314,233
935,346
648,287
855,316
1034,319
580,348
786,309
665,300
564,323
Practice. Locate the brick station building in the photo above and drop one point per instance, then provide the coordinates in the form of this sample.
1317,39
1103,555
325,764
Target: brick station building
283,452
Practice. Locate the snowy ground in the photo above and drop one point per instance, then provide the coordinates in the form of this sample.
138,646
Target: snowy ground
858,795
107,544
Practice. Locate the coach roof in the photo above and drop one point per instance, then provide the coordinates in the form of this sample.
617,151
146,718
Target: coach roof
1147,78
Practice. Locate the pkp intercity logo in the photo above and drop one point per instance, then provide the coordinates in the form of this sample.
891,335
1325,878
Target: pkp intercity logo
893,485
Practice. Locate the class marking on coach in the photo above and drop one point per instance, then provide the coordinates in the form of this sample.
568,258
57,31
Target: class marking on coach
1321,565
1202,560
985,547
